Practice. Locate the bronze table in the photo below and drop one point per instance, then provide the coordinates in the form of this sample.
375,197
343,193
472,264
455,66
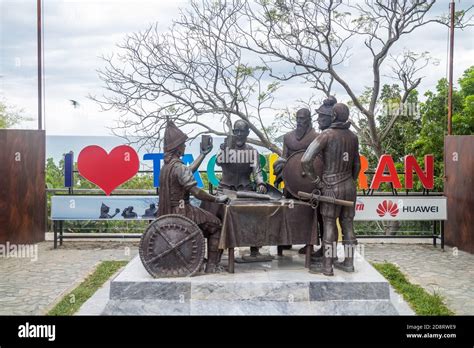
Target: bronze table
249,222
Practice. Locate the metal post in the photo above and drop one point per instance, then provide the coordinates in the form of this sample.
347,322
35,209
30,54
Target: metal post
55,232
61,232
434,234
450,79
442,235
210,187
231,260
40,64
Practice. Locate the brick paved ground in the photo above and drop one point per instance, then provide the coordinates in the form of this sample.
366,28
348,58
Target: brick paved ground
32,287
449,273
28,287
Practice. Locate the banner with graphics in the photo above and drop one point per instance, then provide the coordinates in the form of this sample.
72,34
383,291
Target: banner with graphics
370,208
103,207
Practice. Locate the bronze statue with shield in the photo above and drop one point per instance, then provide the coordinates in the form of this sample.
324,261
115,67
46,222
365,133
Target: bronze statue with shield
288,167
173,245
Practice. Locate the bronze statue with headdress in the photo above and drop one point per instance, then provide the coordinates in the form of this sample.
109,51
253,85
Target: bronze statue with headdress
177,183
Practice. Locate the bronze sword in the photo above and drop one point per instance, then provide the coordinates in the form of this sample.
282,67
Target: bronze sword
325,199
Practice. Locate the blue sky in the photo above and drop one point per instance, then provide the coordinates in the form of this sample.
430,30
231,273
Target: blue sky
77,33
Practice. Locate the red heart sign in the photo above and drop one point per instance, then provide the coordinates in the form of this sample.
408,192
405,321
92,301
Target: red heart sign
108,171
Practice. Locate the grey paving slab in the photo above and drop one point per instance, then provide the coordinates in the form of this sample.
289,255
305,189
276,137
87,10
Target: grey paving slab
448,273
32,287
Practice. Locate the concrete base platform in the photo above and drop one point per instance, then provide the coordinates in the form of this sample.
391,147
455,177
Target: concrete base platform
280,287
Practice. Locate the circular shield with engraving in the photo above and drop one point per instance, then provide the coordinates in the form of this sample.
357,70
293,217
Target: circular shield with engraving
292,174
172,246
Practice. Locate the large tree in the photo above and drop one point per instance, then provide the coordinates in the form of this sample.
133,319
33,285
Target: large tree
188,75
390,107
217,62
314,36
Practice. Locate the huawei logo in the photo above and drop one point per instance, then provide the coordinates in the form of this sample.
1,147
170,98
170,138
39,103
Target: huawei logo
359,205
387,207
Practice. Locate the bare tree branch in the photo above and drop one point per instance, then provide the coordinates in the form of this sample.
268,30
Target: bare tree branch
196,73
188,75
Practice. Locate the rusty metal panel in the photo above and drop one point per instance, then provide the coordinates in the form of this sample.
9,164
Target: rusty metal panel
22,186
459,189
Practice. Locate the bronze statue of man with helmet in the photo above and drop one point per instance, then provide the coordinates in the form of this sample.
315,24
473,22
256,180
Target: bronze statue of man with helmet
325,113
340,150
177,183
324,122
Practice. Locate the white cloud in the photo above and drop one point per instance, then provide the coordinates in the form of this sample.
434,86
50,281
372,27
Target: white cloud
77,33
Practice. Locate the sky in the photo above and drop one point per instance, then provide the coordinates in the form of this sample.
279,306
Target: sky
78,32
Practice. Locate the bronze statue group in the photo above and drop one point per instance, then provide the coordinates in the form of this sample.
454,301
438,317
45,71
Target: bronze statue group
336,147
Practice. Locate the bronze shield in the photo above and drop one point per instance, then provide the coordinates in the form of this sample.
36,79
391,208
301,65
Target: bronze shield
292,171
172,246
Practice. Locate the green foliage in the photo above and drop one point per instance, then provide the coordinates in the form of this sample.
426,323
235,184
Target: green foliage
407,126
205,181
402,228
9,116
55,179
71,303
422,302
364,147
434,120
244,71
405,129
54,174
276,11
403,132
467,82
421,130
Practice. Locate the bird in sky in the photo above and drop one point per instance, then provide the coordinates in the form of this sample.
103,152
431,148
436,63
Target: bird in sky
74,103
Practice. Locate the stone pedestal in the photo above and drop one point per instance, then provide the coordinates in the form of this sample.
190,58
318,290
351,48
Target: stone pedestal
280,287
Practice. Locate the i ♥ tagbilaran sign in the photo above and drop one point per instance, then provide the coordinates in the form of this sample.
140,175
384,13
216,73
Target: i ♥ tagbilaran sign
110,170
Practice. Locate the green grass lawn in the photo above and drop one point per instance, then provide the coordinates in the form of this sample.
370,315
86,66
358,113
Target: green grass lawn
76,298
422,302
